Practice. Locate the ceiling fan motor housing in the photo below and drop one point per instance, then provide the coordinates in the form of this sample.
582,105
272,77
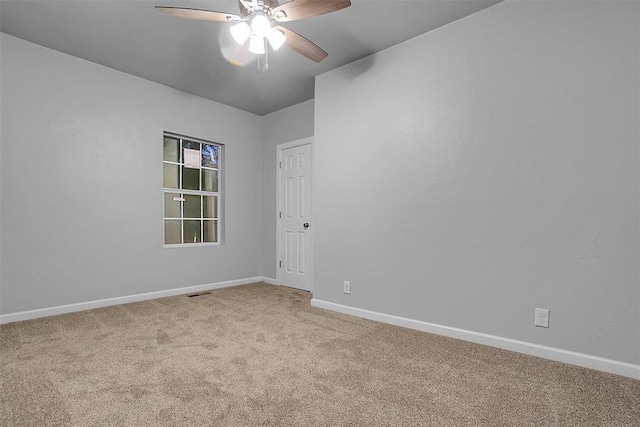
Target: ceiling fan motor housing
259,6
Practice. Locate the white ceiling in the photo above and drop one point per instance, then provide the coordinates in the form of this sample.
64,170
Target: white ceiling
188,55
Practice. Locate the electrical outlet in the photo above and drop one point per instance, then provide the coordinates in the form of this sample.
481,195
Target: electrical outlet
542,317
347,287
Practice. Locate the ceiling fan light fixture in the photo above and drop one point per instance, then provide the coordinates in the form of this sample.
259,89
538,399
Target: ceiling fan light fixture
256,45
260,25
241,32
276,38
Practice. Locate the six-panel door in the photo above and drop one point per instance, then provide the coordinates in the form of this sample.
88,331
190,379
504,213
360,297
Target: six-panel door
295,211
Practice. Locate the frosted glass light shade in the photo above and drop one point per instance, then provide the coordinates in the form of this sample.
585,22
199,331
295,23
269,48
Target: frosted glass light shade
241,32
260,25
256,45
276,38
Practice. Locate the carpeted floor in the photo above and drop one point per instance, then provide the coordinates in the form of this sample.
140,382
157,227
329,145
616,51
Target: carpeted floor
261,355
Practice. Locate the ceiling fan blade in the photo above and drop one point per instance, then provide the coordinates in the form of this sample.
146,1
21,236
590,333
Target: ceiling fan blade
300,9
303,46
201,14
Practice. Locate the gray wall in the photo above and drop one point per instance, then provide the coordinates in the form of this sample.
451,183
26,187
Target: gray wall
81,183
489,167
288,124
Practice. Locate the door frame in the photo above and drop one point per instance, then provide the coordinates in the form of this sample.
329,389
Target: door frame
280,148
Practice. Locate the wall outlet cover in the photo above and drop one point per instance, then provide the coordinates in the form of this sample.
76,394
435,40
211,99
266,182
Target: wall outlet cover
542,318
347,287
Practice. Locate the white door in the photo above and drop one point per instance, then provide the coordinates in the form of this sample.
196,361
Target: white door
295,216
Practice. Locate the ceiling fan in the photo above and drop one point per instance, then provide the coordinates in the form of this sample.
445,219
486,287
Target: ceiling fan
256,19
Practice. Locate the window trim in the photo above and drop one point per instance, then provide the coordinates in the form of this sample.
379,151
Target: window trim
218,194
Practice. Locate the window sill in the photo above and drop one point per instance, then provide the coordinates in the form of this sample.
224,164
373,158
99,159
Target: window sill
191,245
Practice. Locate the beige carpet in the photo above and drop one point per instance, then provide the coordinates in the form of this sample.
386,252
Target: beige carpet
261,355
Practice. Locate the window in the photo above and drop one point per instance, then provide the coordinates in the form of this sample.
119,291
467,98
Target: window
191,186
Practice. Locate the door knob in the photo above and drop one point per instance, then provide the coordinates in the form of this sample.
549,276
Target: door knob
305,225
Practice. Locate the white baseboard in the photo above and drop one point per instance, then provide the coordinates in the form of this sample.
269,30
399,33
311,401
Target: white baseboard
70,308
270,281
559,355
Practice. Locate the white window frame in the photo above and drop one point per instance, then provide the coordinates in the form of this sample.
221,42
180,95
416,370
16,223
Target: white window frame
183,192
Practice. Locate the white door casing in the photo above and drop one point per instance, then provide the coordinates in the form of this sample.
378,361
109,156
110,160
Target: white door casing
294,214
